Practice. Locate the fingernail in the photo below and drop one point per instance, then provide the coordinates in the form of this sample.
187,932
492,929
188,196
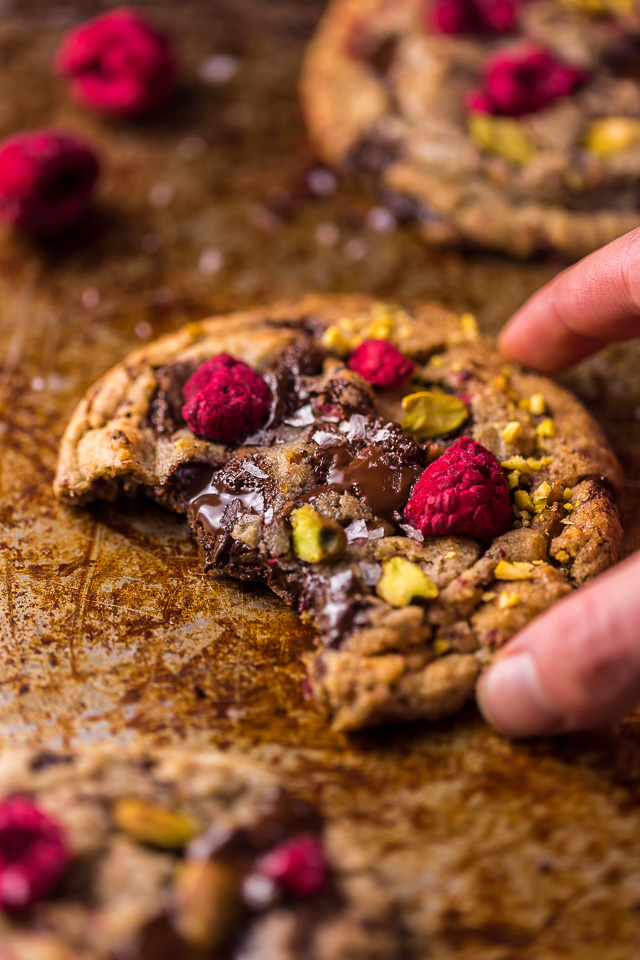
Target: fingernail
512,699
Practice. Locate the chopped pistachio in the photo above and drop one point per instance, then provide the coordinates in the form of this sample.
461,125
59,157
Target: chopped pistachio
513,479
537,404
567,520
489,596
503,136
562,556
440,647
316,537
612,134
429,414
436,361
450,555
500,384
567,493
516,463
206,902
403,581
542,493
469,326
516,570
153,824
381,329
523,500
538,563
508,600
334,339
568,506
512,431
547,428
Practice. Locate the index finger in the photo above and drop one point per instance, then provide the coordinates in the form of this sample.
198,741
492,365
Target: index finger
594,302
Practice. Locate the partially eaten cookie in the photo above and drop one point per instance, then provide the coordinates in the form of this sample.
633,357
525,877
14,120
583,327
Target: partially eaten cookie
379,467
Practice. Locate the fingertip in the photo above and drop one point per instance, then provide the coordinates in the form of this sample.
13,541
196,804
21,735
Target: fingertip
513,701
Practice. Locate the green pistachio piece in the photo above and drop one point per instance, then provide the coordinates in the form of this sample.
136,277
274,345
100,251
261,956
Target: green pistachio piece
206,902
155,825
503,136
316,537
612,134
403,581
429,414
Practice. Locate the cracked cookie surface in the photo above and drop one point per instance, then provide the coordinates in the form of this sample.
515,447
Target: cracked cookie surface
312,503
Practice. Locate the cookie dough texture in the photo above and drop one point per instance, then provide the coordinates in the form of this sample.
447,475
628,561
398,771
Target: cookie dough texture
384,96
128,890
374,663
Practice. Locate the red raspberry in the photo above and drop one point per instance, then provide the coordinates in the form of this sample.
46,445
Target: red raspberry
46,180
33,854
298,865
234,402
382,364
205,371
523,80
463,492
118,63
471,16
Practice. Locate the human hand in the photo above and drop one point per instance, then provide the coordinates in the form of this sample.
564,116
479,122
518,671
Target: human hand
578,665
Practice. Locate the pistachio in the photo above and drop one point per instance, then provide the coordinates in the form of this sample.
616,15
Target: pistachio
512,431
547,428
507,601
440,647
488,596
612,134
513,479
567,493
153,824
403,581
316,537
206,902
523,500
380,329
469,326
537,404
503,136
429,414
562,556
516,570
339,341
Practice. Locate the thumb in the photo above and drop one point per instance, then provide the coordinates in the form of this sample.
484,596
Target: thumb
577,666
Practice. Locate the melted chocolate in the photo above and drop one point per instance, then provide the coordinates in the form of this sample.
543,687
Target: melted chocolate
383,485
210,498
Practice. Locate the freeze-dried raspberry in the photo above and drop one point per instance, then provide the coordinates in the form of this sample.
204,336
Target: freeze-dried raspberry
382,364
46,180
464,492
233,403
33,854
471,16
299,865
205,371
523,80
118,63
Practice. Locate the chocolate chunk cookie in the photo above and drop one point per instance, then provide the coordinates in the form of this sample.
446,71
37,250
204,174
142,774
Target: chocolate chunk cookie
410,494
183,856
513,125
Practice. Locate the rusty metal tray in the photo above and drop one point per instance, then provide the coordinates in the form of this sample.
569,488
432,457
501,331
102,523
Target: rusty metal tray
109,629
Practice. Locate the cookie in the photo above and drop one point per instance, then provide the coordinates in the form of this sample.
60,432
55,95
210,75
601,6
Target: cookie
177,855
407,492
513,125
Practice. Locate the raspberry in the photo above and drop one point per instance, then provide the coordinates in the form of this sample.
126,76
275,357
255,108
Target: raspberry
471,16
299,865
463,492
382,364
523,80
234,402
118,63
46,180
205,371
33,854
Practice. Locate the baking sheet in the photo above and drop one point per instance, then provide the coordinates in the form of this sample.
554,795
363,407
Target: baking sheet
109,629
